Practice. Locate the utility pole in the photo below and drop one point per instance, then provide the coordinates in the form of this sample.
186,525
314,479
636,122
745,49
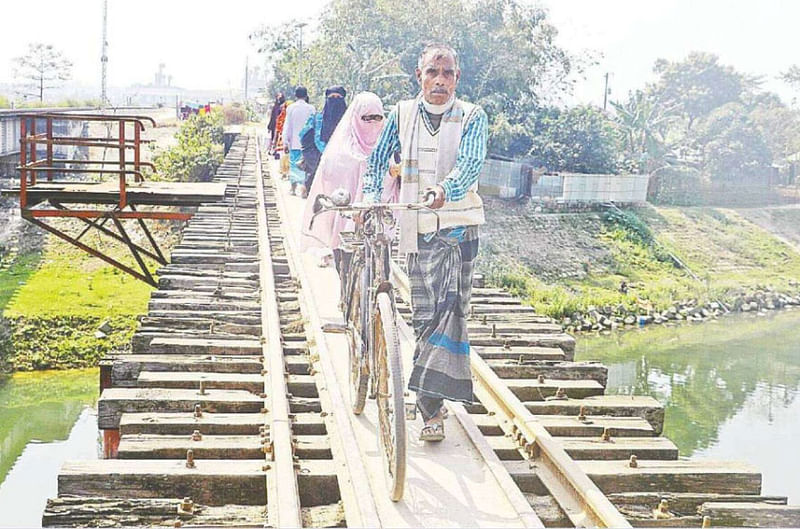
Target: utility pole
104,59
300,26
246,75
605,94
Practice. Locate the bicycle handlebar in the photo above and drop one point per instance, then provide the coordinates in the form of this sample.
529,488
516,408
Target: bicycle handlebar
323,203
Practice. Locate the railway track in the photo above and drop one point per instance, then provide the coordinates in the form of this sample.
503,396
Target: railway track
227,411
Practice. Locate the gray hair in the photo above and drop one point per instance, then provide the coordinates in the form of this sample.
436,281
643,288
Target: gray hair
434,47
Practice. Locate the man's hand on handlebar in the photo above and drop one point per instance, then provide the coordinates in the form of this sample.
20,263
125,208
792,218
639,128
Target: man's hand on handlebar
437,192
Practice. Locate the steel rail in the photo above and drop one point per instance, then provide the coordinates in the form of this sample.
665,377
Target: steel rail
357,498
581,500
283,496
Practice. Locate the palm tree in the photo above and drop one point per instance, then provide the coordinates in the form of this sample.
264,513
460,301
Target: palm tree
643,120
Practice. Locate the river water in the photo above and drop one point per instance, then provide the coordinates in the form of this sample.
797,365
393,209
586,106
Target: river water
45,418
730,388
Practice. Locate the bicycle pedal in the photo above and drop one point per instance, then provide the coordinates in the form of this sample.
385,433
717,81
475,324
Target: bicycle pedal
411,410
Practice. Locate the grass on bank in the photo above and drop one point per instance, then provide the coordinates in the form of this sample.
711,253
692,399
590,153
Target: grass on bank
726,253
52,318
16,275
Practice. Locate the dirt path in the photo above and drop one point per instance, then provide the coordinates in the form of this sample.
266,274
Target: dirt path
783,222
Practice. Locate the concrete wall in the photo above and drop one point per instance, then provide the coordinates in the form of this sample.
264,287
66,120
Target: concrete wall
624,189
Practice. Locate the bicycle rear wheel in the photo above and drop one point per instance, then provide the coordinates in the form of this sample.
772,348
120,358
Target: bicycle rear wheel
390,396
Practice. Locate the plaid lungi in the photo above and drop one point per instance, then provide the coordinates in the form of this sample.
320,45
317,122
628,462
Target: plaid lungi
441,284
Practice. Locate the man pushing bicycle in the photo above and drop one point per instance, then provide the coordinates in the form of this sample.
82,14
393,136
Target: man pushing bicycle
442,142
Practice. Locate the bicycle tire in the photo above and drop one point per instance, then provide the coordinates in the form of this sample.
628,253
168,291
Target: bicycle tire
392,437
353,288
359,377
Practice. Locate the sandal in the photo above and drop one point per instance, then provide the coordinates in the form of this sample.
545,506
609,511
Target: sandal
433,432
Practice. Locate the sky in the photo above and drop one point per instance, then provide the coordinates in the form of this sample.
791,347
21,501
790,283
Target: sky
205,46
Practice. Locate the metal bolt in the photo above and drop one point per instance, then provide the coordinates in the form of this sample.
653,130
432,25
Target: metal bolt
263,372
266,467
202,387
198,411
663,506
507,345
582,414
540,378
262,395
323,414
483,320
186,506
606,435
197,436
190,458
494,330
633,462
706,521
561,393
264,410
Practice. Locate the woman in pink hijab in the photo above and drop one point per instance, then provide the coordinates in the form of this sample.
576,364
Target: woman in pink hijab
343,165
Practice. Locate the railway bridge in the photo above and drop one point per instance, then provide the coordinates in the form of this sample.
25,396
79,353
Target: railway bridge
233,407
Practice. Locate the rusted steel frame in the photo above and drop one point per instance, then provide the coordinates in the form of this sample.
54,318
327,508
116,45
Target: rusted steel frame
94,213
123,197
283,497
582,501
34,169
92,251
102,162
90,117
99,221
33,152
41,139
33,165
357,497
23,160
133,248
98,224
49,133
136,154
160,258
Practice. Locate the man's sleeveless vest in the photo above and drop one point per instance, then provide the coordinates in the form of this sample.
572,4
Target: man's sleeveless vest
435,162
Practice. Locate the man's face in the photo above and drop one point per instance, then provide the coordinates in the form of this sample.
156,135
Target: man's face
438,77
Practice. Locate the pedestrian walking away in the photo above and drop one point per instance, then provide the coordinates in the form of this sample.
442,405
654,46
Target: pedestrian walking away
442,142
296,116
272,125
318,130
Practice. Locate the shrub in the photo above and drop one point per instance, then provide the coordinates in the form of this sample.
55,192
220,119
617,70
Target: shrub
198,153
234,114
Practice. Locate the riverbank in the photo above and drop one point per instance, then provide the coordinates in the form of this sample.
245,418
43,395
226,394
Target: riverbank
605,270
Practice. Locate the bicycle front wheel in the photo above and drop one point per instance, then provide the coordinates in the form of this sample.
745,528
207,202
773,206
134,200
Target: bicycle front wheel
390,396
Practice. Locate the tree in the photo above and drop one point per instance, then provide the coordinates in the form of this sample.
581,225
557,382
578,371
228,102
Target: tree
43,67
732,145
699,84
643,121
792,76
778,124
507,52
581,140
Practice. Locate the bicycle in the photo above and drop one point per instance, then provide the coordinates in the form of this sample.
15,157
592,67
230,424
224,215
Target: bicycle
368,304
